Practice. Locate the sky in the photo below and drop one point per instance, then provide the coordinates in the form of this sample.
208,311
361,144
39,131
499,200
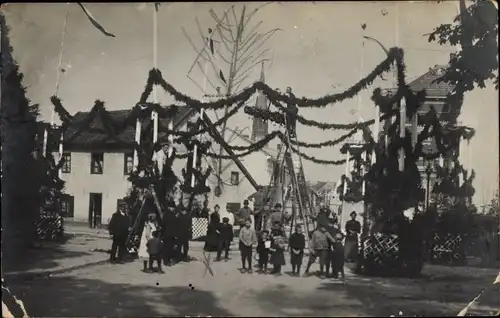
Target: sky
318,51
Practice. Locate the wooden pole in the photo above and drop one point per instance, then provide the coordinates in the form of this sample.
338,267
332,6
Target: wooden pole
154,114
58,75
402,133
363,187
346,172
137,141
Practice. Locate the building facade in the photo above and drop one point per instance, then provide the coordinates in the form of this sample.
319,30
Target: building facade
436,97
97,167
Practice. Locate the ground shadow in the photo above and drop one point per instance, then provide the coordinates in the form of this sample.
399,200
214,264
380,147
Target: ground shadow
73,297
440,291
283,301
42,259
43,256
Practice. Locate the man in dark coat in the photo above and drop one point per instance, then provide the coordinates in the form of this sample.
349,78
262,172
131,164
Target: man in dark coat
118,228
184,235
169,227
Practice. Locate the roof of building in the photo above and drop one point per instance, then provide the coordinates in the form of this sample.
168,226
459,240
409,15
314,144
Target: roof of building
324,186
96,134
430,82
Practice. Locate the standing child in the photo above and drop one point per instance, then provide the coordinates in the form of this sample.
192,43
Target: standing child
248,238
297,245
263,249
338,256
277,249
226,237
319,248
154,248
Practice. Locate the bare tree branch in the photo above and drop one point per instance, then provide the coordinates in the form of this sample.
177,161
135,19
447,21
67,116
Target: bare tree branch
195,83
260,55
249,69
234,15
256,49
238,83
216,68
227,21
225,41
203,38
200,52
254,12
266,36
208,79
251,33
226,60
241,62
250,38
219,21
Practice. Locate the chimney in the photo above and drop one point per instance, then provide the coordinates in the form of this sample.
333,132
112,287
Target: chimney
260,128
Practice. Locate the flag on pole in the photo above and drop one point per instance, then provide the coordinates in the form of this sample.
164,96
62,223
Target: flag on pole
157,5
94,21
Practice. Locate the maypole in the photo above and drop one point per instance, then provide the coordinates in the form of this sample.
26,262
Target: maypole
402,106
58,74
154,114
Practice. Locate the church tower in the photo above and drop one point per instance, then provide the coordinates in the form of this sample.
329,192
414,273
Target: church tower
260,128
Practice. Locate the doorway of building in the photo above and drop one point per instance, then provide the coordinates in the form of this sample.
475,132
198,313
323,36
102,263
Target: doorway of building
95,210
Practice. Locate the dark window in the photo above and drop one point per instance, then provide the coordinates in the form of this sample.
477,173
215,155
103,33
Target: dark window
97,163
128,165
233,207
235,178
66,168
67,206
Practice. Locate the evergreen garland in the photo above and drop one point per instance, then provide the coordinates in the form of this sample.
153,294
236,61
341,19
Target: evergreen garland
49,224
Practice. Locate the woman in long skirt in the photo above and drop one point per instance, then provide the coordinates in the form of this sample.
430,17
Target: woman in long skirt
353,229
213,233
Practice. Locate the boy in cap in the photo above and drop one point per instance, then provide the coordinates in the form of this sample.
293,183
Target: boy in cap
297,245
225,239
319,248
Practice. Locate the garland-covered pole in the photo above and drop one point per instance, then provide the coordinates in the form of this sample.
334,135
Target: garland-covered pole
402,133
195,149
402,109
58,74
137,142
344,190
154,114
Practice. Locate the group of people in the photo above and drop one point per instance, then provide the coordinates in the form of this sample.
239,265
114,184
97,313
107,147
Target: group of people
166,243
326,243
170,244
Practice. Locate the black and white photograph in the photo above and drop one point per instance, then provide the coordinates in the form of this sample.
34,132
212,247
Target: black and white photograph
303,158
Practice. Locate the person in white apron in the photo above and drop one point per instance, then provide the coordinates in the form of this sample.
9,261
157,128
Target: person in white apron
147,233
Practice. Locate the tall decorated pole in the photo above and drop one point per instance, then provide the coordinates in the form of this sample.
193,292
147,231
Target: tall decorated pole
58,75
402,105
154,114
137,141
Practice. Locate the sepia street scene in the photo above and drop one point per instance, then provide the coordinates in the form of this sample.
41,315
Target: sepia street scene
250,159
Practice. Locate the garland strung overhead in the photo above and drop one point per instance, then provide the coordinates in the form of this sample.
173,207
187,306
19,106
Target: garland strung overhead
155,78
395,54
